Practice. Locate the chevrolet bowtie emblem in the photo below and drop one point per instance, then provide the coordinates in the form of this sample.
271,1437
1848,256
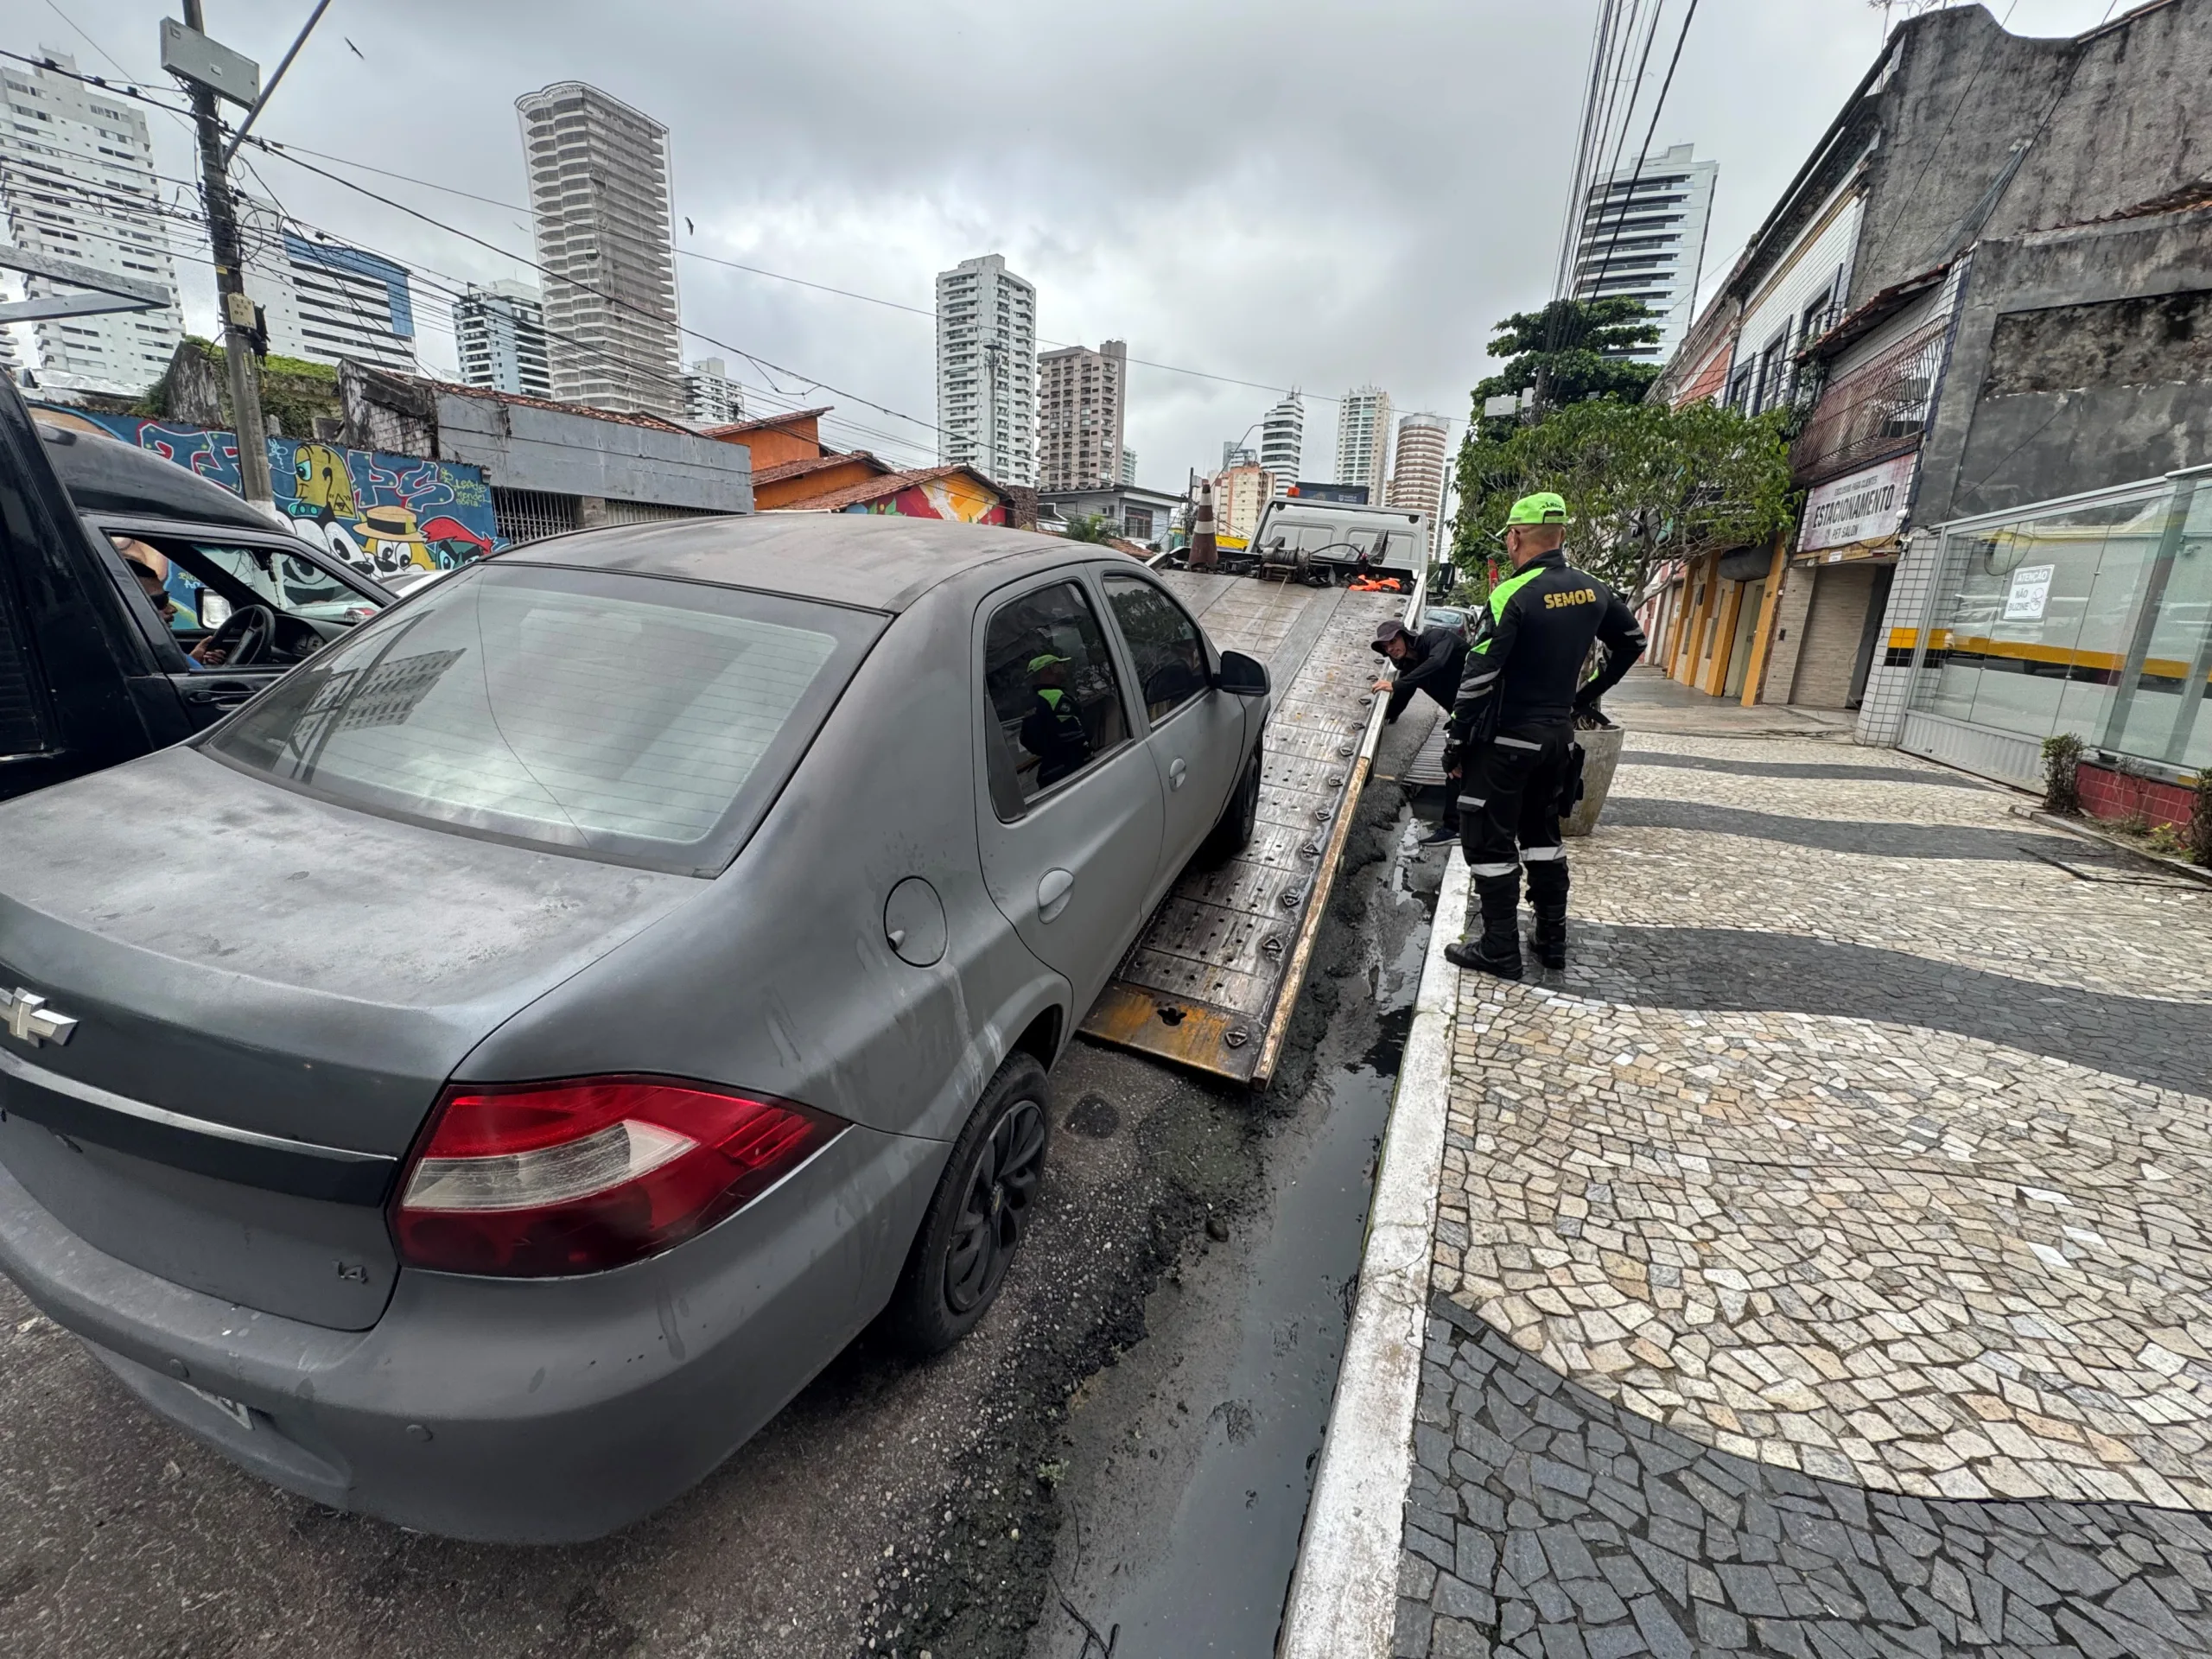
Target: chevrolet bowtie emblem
24,1016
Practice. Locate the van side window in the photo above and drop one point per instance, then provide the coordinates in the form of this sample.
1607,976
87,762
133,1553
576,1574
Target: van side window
1171,658
1056,702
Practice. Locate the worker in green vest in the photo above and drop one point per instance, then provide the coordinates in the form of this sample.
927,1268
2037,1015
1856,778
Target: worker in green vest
1511,743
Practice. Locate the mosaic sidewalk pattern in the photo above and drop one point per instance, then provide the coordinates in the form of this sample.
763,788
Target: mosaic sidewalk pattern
1546,1522
1865,1151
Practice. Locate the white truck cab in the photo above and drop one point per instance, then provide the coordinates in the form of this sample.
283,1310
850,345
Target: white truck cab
1330,535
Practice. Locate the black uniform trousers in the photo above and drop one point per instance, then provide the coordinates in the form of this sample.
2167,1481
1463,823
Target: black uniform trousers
1509,799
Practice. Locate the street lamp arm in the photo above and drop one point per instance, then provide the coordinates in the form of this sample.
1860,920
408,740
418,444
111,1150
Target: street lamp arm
270,91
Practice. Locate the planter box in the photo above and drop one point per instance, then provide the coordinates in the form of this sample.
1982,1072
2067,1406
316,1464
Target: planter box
2114,795
1601,756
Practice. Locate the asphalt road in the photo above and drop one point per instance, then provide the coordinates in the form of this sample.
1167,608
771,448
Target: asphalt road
1167,1336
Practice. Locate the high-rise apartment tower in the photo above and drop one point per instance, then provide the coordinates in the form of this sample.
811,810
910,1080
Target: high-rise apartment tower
1081,408
1417,478
600,197
1643,238
711,398
987,369
325,302
500,332
77,181
1282,441
1363,440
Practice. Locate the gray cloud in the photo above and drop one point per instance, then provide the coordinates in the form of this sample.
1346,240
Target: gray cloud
1288,193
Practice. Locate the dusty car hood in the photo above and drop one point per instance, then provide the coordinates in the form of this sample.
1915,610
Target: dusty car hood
238,952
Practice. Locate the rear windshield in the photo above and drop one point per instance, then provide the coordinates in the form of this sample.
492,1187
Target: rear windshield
645,721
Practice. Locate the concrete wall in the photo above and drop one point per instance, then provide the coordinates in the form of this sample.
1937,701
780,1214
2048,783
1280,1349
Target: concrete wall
2082,359
2115,118
1791,611
521,446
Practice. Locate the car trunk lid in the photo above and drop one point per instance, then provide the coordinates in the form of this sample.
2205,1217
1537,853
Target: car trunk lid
268,992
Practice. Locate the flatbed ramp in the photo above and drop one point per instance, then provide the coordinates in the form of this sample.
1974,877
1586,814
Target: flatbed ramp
1211,981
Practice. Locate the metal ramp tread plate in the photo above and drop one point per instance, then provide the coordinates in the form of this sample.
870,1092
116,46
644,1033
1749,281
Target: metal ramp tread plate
1426,769
1211,981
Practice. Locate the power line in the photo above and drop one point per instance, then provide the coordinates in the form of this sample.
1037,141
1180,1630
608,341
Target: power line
1672,63
754,357
280,148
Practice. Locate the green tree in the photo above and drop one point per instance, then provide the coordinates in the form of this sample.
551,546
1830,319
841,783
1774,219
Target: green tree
1643,483
1570,350
1089,527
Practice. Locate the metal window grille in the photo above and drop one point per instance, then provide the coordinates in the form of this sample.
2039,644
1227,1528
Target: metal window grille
525,515
647,512
1877,410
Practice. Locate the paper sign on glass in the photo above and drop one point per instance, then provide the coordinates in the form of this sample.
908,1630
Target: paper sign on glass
2029,594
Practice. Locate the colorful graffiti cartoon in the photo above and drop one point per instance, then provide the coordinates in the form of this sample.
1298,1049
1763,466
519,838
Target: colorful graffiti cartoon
953,494
381,513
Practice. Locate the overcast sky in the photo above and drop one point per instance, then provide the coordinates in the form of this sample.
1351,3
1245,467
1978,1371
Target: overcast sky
1290,192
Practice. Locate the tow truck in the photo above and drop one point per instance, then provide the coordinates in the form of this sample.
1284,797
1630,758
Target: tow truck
1211,981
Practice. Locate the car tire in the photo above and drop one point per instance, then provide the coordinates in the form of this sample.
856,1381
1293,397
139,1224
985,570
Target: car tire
1240,819
985,1201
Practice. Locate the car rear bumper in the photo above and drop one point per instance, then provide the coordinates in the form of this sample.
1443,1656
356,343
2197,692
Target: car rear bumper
510,1410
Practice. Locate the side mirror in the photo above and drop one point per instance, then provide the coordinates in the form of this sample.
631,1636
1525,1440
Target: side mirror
1241,675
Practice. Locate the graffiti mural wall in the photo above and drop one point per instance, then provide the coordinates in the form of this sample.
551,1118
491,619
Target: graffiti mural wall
383,514
956,495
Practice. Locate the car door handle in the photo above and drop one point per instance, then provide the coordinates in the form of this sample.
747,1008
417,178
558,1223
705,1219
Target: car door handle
1176,772
1053,892
223,694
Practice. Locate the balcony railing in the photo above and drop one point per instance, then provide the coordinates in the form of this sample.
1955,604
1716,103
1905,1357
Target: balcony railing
1873,412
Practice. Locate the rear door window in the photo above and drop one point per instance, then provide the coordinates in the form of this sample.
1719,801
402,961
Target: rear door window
1169,652
642,720
1055,698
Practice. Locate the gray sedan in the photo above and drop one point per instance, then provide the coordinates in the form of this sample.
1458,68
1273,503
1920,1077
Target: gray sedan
483,1078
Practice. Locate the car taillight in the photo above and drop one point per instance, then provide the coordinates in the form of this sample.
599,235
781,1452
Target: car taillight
534,1179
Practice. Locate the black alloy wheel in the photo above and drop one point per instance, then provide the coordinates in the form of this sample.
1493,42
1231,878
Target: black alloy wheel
1001,1192
985,1200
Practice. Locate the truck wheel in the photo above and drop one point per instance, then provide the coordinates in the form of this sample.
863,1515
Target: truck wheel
1239,819
984,1203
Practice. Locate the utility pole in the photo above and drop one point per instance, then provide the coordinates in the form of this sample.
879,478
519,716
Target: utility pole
236,309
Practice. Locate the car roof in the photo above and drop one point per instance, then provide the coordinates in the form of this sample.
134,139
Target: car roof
105,474
874,561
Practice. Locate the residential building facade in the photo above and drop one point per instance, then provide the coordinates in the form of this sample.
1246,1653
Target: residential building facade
324,301
1082,407
1418,473
1363,440
1995,332
600,199
710,397
1240,492
1137,515
1129,472
77,182
500,332
1643,238
1282,441
987,369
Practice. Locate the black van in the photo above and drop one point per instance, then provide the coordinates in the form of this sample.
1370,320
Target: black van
139,602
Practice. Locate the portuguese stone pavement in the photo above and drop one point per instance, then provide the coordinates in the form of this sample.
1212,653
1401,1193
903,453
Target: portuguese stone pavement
1823,1261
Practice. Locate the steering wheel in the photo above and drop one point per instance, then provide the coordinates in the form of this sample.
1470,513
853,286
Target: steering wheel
245,637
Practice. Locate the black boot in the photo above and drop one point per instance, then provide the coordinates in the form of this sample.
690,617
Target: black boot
1498,950
1548,896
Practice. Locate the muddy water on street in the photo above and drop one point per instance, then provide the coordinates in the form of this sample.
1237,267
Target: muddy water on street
1189,1464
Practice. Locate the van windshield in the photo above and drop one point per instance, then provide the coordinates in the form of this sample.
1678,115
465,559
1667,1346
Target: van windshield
644,721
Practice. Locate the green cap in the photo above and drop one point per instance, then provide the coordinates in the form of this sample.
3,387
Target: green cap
1043,660
1542,508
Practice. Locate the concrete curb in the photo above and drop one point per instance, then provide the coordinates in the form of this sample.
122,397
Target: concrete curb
1342,1599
